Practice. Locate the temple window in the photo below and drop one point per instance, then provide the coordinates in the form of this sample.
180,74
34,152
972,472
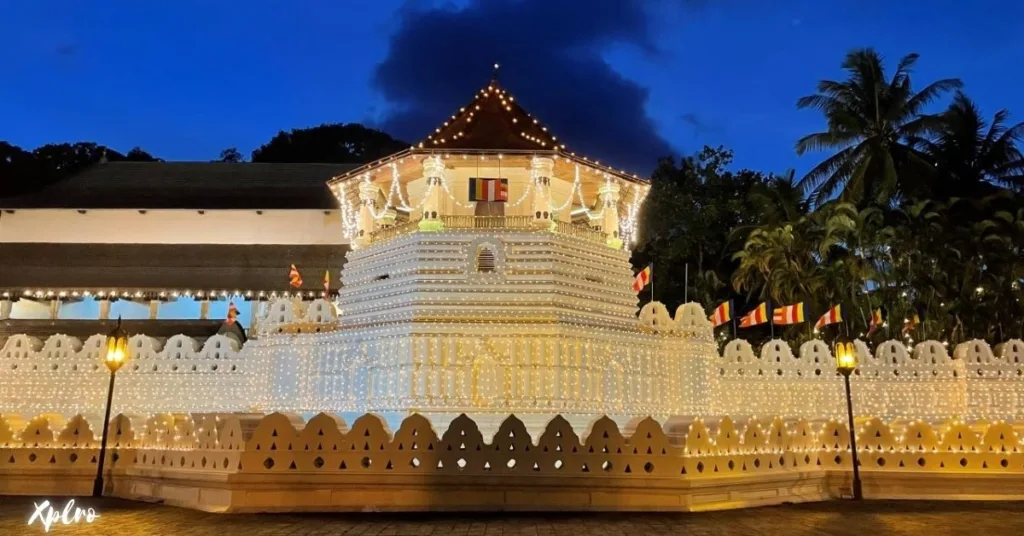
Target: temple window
485,259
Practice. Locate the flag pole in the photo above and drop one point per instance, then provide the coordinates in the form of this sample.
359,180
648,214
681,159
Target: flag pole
733,315
652,281
771,319
686,283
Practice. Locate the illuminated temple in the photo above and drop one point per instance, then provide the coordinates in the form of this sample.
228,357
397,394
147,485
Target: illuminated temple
484,270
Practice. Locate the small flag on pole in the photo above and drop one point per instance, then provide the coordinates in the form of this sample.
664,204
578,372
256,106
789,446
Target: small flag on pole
232,313
294,279
833,316
327,284
758,316
911,323
877,319
788,314
722,314
642,279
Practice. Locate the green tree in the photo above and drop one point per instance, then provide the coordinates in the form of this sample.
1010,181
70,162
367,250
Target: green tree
872,120
231,155
342,143
972,154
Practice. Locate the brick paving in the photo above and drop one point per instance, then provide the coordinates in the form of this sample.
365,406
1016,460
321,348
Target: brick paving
869,518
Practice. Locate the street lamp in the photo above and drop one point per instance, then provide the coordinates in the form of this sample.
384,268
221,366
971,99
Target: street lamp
846,363
116,355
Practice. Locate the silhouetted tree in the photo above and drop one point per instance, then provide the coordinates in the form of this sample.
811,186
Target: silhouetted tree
343,143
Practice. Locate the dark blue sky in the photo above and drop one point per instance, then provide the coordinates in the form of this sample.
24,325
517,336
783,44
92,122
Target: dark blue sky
618,80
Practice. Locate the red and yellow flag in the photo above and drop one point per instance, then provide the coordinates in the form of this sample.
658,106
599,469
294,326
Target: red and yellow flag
834,315
758,316
232,313
327,284
788,314
642,279
911,323
722,314
877,319
294,279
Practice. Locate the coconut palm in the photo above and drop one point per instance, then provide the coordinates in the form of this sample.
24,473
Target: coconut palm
870,120
971,154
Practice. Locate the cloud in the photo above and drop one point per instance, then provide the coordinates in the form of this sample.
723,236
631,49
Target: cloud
550,53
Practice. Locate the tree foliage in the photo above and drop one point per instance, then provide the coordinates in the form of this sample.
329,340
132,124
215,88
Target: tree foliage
350,143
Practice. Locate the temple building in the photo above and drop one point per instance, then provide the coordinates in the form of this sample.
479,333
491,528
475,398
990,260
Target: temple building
485,269
164,245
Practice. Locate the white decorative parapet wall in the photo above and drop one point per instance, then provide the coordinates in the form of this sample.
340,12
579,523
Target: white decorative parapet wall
305,362
66,376
235,463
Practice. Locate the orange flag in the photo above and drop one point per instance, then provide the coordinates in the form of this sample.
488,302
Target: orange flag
294,279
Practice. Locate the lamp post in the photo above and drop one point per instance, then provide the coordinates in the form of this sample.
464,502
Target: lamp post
846,363
117,354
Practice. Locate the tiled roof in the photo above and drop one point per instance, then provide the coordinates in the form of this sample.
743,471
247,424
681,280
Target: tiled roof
189,185
196,267
493,120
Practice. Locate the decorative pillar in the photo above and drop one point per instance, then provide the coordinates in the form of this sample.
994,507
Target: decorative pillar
54,309
433,171
154,309
104,309
368,201
6,306
204,309
542,170
609,194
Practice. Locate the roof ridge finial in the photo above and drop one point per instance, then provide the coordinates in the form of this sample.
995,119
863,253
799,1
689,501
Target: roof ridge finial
494,77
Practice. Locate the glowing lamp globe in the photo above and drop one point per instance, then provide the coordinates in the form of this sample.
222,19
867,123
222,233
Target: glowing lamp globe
846,357
117,348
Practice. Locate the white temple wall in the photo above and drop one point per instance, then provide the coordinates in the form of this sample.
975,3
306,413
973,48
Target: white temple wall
668,367
130,226
66,375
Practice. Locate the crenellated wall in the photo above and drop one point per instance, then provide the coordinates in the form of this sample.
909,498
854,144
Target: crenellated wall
66,375
237,463
305,362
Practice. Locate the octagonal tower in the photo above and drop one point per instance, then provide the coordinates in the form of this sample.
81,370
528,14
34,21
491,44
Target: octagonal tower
489,274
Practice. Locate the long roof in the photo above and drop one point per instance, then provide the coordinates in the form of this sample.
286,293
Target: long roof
189,185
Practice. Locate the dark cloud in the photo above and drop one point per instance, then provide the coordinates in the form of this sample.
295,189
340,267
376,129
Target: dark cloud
550,53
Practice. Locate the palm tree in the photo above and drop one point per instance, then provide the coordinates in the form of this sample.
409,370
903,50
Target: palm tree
870,120
970,154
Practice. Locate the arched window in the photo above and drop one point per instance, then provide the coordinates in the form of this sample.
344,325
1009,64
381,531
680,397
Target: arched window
485,259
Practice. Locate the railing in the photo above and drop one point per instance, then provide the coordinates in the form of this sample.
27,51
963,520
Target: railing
387,233
514,223
487,222
579,231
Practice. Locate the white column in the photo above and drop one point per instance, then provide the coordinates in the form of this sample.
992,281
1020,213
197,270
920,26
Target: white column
433,171
204,309
368,201
609,193
542,171
6,306
154,309
104,309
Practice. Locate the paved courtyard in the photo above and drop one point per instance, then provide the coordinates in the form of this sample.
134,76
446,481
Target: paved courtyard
870,518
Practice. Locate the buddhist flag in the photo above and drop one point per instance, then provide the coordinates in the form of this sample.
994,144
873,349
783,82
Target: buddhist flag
294,279
722,314
232,313
327,283
642,279
788,314
877,319
488,189
755,317
911,323
833,316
